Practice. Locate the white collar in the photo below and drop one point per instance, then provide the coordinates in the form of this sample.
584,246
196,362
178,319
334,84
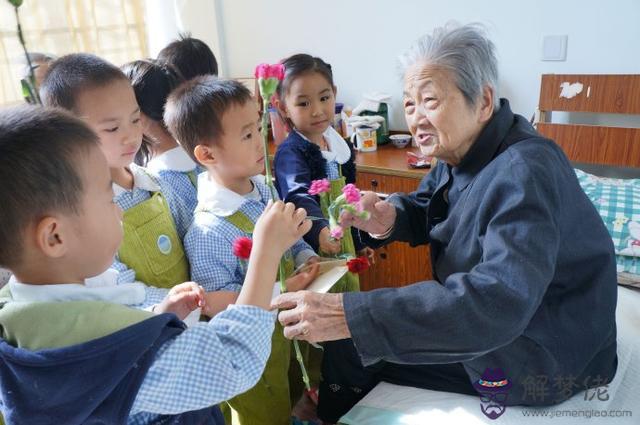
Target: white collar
142,179
338,149
127,294
107,278
222,201
175,159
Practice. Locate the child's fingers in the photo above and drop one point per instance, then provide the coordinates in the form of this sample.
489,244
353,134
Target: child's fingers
192,300
278,206
184,287
290,209
299,215
303,228
202,300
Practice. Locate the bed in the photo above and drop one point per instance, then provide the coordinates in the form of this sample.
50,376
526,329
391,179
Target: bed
607,163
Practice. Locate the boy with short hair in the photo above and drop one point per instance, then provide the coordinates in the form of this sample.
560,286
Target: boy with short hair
76,354
155,217
191,56
218,124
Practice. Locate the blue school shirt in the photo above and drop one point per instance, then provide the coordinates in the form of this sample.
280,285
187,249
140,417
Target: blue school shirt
298,162
177,169
210,238
145,183
189,371
525,273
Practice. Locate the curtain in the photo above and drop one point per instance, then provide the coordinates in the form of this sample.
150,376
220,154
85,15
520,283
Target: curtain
112,29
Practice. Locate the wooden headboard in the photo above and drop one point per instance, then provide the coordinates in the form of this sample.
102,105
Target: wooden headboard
610,94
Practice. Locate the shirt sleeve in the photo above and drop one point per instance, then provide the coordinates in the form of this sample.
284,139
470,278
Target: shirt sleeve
153,296
411,213
180,211
301,252
475,312
293,180
211,259
208,363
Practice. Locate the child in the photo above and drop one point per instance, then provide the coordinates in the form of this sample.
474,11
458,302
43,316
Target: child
217,122
155,219
152,84
190,56
314,150
76,354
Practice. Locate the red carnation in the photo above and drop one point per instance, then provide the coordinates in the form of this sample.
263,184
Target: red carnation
242,247
358,264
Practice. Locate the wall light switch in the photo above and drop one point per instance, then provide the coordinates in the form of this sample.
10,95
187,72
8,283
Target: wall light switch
554,48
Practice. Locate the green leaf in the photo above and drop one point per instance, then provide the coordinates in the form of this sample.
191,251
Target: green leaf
27,92
16,3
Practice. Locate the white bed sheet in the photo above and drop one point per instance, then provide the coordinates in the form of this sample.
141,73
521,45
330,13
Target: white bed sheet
389,404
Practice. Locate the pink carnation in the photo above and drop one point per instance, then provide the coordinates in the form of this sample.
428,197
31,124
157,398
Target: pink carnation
264,70
319,186
351,193
337,232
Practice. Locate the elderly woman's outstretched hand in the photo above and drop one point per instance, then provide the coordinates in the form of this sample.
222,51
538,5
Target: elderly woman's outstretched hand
311,316
383,215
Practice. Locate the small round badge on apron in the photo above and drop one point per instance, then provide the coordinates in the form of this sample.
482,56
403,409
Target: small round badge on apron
164,244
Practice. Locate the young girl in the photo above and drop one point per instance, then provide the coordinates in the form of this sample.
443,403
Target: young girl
314,150
154,219
152,83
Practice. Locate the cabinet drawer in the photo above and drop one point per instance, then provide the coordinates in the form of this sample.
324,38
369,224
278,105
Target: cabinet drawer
397,264
385,183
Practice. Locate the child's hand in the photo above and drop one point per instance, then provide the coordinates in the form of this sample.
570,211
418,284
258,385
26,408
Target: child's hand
278,228
327,243
369,253
304,278
182,299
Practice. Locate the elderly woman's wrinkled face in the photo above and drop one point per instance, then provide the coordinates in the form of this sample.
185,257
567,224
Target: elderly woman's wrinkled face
442,122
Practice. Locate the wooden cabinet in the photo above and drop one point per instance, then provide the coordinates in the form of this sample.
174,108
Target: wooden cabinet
397,264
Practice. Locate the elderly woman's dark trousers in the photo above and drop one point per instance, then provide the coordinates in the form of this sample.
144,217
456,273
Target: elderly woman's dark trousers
345,380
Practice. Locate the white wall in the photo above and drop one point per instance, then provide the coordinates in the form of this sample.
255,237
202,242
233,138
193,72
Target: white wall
362,38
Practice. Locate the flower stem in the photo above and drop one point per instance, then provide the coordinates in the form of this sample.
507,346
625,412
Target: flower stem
265,138
32,79
281,270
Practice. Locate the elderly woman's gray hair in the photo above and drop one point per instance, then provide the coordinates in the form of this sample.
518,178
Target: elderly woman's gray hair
465,51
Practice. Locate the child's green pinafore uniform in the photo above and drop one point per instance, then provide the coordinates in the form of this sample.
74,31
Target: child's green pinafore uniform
268,402
151,245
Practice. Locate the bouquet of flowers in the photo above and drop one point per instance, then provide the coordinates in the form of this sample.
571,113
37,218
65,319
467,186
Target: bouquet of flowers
348,201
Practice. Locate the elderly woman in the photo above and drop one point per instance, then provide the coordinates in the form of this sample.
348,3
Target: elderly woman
524,272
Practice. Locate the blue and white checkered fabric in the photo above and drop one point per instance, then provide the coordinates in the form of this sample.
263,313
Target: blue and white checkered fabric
180,211
206,364
183,187
618,203
209,241
332,170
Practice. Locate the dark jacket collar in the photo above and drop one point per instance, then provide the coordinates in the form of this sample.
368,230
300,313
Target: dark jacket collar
485,148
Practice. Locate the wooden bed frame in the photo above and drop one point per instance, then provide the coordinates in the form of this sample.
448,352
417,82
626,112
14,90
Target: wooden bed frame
610,94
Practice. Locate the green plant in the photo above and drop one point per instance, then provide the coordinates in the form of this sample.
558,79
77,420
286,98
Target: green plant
28,85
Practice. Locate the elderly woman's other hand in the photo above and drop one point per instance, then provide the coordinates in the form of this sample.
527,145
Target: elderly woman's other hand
311,316
383,215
